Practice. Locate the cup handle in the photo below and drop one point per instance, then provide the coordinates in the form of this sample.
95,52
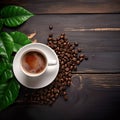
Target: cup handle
52,62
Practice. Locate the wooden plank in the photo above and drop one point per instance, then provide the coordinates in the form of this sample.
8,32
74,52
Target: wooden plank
95,91
96,82
67,6
84,86
102,46
105,62
97,95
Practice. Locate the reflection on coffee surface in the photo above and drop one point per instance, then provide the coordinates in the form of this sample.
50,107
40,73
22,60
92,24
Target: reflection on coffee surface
33,62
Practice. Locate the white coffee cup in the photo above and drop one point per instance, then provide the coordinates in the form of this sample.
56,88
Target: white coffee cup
34,62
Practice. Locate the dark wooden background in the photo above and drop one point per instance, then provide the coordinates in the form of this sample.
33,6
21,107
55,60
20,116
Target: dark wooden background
95,25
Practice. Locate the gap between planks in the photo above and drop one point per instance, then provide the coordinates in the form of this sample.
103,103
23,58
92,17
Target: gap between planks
91,29
95,72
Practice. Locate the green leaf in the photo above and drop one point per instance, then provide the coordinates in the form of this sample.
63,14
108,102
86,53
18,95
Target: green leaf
11,16
14,15
4,64
7,74
6,45
1,23
20,39
8,93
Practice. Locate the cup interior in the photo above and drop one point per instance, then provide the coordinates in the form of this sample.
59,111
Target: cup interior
33,62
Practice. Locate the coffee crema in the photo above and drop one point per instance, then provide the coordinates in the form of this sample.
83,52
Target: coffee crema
33,62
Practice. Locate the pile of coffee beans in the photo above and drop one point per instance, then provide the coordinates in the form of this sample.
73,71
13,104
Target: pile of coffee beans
70,57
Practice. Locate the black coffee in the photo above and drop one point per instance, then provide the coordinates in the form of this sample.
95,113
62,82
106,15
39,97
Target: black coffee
33,62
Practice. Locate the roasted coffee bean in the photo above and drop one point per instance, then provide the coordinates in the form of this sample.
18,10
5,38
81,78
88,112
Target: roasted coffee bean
79,49
62,37
71,68
76,52
50,27
78,62
56,95
75,68
86,58
67,69
65,97
69,83
74,59
62,34
49,39
82,56
76,43
50,35
81,59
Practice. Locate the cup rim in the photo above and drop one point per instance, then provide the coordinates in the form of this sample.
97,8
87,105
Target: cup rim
35,74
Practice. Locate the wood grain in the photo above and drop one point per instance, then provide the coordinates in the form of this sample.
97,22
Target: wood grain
67,6
97,95
97,82
95,90
102,46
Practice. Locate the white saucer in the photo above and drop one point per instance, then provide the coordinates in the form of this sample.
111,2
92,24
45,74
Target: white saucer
46,78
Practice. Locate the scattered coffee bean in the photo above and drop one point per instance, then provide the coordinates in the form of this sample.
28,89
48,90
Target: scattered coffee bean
86,58
50,27
82,56
69,58
65,97
76,44
79,49
50,35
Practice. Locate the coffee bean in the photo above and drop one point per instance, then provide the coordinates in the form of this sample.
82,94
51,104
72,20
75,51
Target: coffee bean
76,52
56,95
70,75
50,35
61,37
69,83
65,97
86,58
81,59
49,39
71,68
76,43
50,27
65,64
64,43
74,59
78,62
62,34
79,49
75,67
67,69
50,102
82,56
48,95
